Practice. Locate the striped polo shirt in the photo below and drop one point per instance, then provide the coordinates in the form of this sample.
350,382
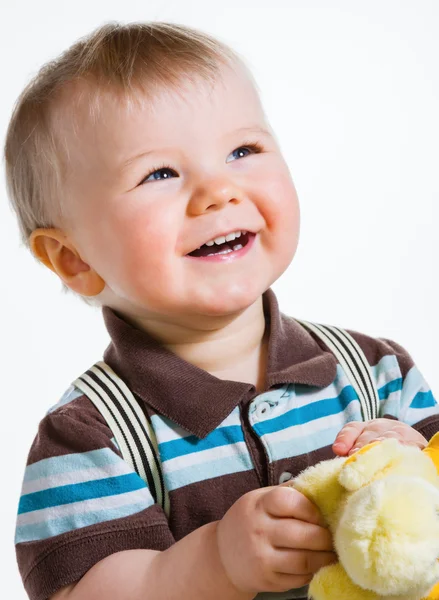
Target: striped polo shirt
217,440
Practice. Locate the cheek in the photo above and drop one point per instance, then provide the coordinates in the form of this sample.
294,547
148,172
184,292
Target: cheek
281,208
137,242
282,216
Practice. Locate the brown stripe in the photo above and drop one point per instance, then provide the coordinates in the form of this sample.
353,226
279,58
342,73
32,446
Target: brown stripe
205,501
428,427
74,427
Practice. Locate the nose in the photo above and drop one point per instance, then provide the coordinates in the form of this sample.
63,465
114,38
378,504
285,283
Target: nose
214,194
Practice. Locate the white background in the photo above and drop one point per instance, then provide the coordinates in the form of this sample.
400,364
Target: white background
352,89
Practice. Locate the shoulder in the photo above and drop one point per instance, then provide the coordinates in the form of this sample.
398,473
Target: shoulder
377,349
382,354
393,370
72,425
404,393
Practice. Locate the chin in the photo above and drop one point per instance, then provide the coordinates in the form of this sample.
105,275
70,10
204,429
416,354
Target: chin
235,299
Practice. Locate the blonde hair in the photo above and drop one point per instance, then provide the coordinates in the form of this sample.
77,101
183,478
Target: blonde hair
124,58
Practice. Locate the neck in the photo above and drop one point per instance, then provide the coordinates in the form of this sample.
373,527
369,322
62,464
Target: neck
234,348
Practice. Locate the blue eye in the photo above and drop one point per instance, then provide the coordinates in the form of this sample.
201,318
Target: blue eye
244,151
240,152
160,174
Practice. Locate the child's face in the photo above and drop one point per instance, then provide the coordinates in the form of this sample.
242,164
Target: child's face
152,183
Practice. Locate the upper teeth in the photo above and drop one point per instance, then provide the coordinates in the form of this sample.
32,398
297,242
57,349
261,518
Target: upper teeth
228,238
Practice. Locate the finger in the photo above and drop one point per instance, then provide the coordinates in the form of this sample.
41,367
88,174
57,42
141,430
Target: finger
421,444
408,435
347,436
285,501
367,437
402,438
301,562
292,533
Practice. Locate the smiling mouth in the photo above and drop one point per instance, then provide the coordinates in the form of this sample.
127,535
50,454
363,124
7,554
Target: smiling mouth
224,248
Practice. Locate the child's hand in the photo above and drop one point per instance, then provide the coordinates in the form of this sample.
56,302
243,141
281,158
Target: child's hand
272,540
357,434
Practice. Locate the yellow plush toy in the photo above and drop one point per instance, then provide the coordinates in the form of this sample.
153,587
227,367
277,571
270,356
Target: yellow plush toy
382,507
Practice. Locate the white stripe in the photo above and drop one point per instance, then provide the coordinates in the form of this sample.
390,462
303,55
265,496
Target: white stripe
76,461
72,477
385,371
308,443
167,431
73,508
391,405
206,471
414,415
196,458
47,529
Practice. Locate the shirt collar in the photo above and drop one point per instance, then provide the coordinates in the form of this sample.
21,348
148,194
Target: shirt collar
197,400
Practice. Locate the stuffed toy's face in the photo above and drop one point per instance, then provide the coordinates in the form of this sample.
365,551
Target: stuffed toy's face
382,507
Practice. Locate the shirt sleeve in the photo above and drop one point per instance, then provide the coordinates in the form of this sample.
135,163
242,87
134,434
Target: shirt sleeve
403,392
409,397
80,501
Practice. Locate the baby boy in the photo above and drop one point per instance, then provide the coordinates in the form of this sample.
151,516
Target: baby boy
145,175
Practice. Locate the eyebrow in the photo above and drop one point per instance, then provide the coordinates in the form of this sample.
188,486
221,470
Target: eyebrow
129,161
251,129
255,129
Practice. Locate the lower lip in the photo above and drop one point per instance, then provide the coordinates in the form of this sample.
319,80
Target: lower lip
230,256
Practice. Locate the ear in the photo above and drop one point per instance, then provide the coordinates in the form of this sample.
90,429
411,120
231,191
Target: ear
53,248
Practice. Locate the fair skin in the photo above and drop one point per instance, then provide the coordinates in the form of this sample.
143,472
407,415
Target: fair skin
209,313
129,229
355,435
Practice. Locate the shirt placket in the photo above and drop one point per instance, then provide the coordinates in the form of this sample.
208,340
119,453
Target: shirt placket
261,412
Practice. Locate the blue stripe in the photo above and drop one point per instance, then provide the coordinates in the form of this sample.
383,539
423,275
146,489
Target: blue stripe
52,527
317,435
77,492
423,400
309,412
70,462
219,437
389,388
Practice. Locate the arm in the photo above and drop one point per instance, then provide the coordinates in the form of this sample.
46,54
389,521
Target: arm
191,569
269,540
